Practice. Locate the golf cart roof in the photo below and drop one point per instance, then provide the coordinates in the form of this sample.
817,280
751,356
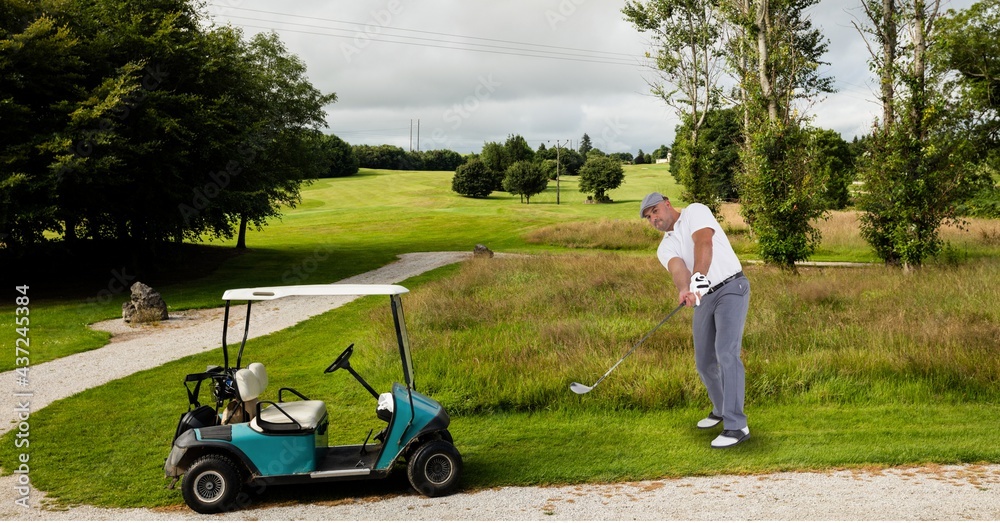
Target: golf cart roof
333,289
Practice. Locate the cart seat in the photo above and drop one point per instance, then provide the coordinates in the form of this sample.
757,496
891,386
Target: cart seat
287,416
290,416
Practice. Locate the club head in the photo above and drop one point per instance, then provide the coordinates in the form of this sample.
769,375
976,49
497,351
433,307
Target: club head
580,388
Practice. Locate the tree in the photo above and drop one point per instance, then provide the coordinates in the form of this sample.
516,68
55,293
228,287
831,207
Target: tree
721,137
441,160
689,60
600,175
585,145
776,56
775,53
661,153
385,157
571,161
517,149
625,157
494,157
836,164
473,179
339,156
786,194
917,166
288,113
526,179
160,130
885,32
42,67
640,158
968,46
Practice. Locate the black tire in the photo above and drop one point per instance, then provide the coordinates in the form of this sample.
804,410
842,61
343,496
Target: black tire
212,485
435,468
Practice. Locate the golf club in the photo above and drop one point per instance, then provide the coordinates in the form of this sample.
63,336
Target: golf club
580,388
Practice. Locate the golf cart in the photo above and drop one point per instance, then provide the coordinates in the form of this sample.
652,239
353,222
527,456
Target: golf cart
246,441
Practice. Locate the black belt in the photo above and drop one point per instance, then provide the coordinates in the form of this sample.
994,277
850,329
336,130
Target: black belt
717,286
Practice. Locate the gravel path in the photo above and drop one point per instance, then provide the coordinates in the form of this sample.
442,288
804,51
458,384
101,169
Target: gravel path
933,492
928,493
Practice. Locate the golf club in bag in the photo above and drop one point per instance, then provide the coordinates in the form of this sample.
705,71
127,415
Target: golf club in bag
580,388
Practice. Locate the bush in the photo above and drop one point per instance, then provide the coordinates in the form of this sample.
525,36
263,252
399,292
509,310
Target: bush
473,179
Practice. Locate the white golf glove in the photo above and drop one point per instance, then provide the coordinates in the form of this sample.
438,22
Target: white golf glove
699,286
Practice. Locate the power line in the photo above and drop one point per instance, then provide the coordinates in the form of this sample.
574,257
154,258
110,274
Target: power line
555,54
371,130
458,46
435,33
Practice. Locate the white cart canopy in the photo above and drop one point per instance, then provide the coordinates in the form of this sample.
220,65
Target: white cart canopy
273,293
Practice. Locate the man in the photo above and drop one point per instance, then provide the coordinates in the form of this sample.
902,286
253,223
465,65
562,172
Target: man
708,277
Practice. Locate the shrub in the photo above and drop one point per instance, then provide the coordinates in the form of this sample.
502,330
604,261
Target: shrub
473,179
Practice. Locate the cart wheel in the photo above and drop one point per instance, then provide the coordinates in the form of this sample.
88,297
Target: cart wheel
435,468
211,485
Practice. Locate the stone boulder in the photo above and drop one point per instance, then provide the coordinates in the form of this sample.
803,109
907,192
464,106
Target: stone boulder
482,251
145,306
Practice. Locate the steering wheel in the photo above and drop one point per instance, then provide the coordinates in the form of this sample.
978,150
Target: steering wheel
342,360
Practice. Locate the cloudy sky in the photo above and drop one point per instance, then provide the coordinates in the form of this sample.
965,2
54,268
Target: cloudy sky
476,71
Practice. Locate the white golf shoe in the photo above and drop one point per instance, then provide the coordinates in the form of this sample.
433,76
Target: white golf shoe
710,421
729,438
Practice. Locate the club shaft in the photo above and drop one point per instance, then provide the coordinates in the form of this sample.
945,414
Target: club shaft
648,334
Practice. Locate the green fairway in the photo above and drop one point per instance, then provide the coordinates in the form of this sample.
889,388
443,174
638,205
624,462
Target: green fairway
845,367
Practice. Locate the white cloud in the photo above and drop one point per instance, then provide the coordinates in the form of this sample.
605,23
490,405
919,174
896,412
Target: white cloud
465,97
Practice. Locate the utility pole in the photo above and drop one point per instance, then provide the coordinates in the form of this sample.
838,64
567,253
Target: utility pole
558,166
557,172
411,135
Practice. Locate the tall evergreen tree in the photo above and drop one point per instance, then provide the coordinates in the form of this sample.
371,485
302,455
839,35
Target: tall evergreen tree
585,145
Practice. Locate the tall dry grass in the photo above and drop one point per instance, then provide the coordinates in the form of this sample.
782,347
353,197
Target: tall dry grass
511,334
602,234
840,235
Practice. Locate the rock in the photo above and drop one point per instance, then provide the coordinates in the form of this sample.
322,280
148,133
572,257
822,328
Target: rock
146,305
482,251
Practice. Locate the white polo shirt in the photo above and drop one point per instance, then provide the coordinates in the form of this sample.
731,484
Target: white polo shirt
679,244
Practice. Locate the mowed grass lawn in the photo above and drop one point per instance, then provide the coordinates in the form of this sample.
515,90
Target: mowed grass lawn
846,367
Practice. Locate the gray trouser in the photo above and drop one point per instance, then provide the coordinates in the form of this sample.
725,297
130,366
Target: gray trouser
718,339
